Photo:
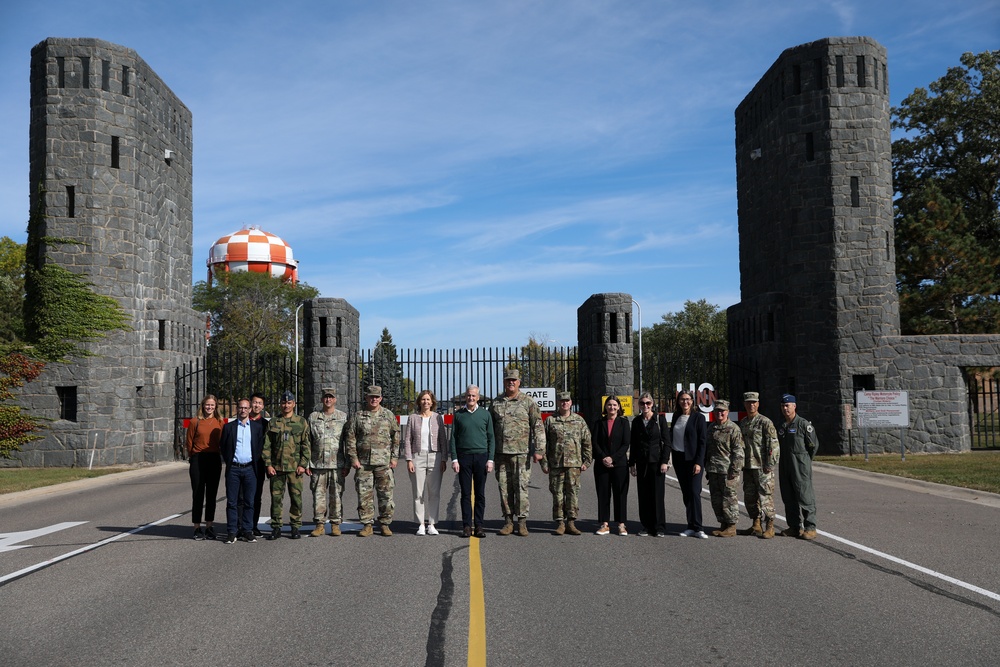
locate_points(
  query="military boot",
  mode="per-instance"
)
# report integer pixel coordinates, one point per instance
(319, 530)
(560, 528)
(768, 529)
(790, 532)
(572, 529)
(508, 527)
(335, 530)
(275, 533)
(727, 530)
(755, 529)
(385, 530)
(522, 527)
(366, 531)
(809, 534)
(295, 533)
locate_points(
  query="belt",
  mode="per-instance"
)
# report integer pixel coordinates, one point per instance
(242, 465)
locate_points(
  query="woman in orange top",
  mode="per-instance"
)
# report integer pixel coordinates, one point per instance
(206, 465)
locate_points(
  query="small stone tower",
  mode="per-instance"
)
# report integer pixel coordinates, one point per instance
(604, 340)
(332, 340)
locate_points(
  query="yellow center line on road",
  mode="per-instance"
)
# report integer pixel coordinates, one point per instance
(477, 604)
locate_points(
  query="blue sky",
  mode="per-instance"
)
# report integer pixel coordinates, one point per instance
(469, 173)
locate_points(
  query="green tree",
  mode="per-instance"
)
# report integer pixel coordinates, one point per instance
(949, 155)
(385, 371)
(251, 312)
(543, 366)
(11, 290)
(947, 278)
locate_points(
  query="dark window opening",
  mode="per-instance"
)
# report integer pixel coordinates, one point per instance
(885, 78)
(85, 62)
(163, 335)
(855, 192)
(875, 75)
(614, 327)
(862, 81)
(322, 332)
(62, 71)
(106, 76)
(810, 147)
(840, 71)
(628, 327)
(340, 332)
(115, 153)
(70, 201)
(125, 88)
(862, 383)
(67, 403)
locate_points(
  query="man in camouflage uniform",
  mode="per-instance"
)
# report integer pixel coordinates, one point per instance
(328, 468)
(760, 446)
(567, 454)
(516, 421)
(372, 442)
(723, 463)
(286, 456)
(798, 447)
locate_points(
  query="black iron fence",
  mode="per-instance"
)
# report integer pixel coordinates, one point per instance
(708, 377)
(984, 408)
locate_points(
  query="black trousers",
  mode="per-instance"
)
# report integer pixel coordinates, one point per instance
(649, 484)
(472, 477)
(612, 483)
(690, 488)
(205, 471)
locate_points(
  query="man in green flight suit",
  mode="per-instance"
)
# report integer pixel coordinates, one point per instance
(286, 457)
(798, 447)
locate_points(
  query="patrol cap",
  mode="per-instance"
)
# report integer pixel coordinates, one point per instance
(721, 404)
(788, 398)
(373, 390)
(564, 396)
(287, 396)
(511, 374)
(751, 397)
(329, 391)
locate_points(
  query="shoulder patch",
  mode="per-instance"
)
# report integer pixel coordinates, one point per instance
(809, 428)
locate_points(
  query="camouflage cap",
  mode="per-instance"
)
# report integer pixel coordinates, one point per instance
(511, 374)
(564, 396)
(751, 397)
(373, 390)
(287, 396)
(329, 391)
(721, 404)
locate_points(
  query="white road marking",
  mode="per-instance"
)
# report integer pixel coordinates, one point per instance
(893, 559)
(12, 541)
(346, 526)
(89, 547)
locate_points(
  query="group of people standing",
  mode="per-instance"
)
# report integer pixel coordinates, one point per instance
(505, 440)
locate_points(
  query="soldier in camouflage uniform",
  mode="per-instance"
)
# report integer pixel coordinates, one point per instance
(567, 454)
(724, 461)
(372, 442)
(286, 456)
(328, 467)
(798, 444)
(516, 421)
(760, 446)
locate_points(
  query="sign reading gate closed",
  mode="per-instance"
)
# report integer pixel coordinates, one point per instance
(545, 397)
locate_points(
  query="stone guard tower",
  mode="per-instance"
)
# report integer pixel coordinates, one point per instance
(604, 339)
(110, 144)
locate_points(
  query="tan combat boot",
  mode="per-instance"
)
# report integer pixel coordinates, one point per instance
(334, 530)
(385, 530)
(522, 527)
(508, 527)
(320, 529)
(807, 535)
(755, 529)
(727, 530)
(572, 529)
(366, 531)
(560, 528)
(768, 529)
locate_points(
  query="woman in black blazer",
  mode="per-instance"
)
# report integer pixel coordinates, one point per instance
(610, 443)
(688, 440)
(648, 461)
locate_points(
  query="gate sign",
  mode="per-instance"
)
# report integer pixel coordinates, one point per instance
(883, 409)
(545, 397)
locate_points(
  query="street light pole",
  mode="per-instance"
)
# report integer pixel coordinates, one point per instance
(297, 349)
(636, 304)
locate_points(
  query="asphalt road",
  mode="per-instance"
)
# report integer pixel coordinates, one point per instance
(902, 574)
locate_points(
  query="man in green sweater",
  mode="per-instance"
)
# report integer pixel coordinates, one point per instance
(472, 447)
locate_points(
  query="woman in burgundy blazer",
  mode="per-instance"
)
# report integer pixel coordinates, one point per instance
(610, 439)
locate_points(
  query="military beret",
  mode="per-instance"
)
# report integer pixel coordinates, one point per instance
(751, 397)
(374, 390)
(721, 404)
(329, 391)
(788, 398)
(288, 396)
(511, 374)
(564, 396)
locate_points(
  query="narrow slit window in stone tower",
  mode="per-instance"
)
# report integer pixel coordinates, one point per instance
(840, 71)
(115, 153)
(106, 76)
(85, 64)
(340, 332)
(614, 328)
(862, 81)
(125, 88)
(62, 71)
(855, 192)
(322, 332)
(70, 201)
(67, 403)
(162, 334)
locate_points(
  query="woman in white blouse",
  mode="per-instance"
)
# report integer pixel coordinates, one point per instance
(425, 444)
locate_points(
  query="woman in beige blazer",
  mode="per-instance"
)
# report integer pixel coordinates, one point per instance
(425, 444)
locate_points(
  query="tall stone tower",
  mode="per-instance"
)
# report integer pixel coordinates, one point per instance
(817, 266)
(332, 338)
(604, 340)
(111, 149)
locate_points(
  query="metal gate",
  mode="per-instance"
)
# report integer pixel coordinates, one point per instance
(710, 376)
(984, 407)
(230, 377)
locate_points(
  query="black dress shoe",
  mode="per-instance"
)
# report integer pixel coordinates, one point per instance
(467, 531)
(479, 532)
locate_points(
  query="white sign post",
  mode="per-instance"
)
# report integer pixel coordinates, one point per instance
(884, 409)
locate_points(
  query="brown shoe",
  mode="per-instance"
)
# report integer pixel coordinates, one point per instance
(560, 528)
(572, 529)
(366, 531)
(755, 529)
(790, 532)
(522, 527)
(507, 529)
(808, 535)
(727, 530)
(768, 530)
(334, 530)
(479, 532)
(385, 530)
(319, 530)
(466, 531)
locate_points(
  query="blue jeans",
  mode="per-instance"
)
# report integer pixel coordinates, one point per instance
(241, 484)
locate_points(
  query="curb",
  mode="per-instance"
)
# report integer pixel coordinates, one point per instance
(56, 490)
(931, 488)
